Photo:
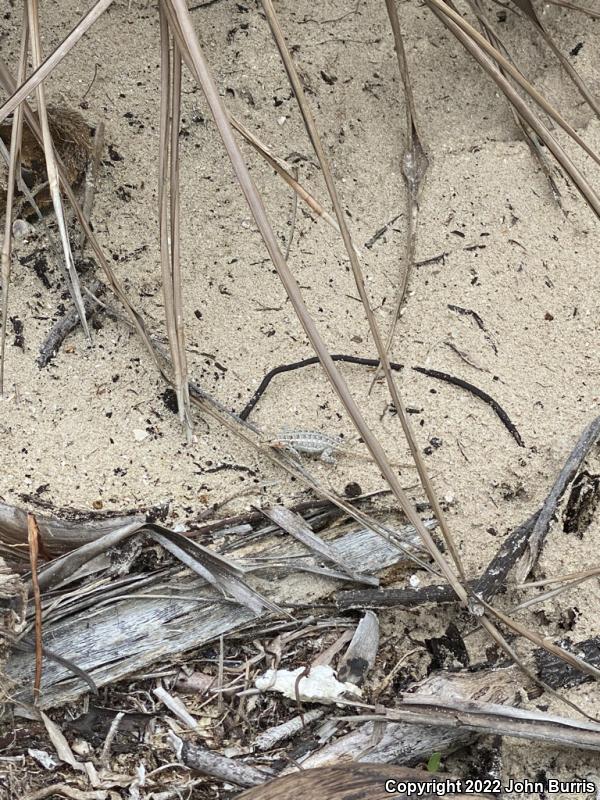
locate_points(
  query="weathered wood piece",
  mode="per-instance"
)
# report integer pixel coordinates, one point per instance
(408, 743)
(559, 675)
(360, 656)
(535, 542)
(141, 619)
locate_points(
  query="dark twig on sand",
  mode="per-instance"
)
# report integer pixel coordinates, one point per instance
(500, 412)
(586, 441)
(63, 327)
(374, 362)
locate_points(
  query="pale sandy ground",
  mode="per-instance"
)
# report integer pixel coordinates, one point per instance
(535, 283)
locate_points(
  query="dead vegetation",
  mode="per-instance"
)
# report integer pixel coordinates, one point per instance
(176, 638)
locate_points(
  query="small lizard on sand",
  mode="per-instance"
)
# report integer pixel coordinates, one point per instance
(316, 445)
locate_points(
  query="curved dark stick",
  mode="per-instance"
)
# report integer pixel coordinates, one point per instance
(374, 362)
(306, 362)
(500, 412)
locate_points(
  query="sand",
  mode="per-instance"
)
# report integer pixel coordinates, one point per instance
(93, 431)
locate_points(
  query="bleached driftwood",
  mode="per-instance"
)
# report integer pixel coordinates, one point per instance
(121, 625)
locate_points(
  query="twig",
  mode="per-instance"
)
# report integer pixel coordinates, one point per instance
(380, 232)
(110, 736)
(487, 586)
(272, 737)
(218, 766)
(500, 412)
(63, 326)
(586, 441)
(177, 707)
(373, 362)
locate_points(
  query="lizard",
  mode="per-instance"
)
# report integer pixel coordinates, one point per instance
(316, 445)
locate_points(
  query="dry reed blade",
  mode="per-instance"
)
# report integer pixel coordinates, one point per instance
(360, 284)
(282, 170)
(481, 50)
(13, 169)
(414, 167)
(566, 586)
(529, 11)
(52, 170)
(21, 92)
(183, 396)
(168, 201)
